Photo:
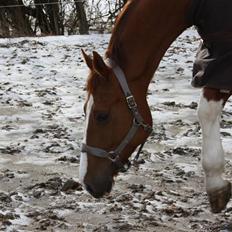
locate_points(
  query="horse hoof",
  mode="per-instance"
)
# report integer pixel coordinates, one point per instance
(219, 198)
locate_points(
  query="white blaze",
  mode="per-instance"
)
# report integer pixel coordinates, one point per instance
(84, 160)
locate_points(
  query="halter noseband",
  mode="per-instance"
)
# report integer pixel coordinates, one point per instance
(138, 121)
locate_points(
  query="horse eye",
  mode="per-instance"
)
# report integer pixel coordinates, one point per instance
(102, 117)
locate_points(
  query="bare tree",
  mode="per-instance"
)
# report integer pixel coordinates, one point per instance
(83, 23)
(54, 17)
(102, 13)
(4, 24)
(41, 19)
(15, 18)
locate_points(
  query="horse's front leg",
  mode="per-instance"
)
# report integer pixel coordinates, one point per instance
(209, 113)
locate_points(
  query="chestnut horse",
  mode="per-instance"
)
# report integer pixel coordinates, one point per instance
(118, 118)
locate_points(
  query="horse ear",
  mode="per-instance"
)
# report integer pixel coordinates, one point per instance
(99, 65)
(88, 59)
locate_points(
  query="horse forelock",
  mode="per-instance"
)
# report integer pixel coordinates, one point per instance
(113, 50)
(91, 83)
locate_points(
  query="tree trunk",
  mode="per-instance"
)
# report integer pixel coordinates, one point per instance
(16, 16)
(53, 12)
(41, 18)
(4, 24)
(83, 25)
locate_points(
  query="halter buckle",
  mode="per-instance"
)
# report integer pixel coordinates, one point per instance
(112, 155)
(131, 102)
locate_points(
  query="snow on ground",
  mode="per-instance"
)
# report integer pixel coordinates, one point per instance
(42, 83)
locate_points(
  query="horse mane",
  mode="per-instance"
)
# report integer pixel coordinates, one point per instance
(113, 50)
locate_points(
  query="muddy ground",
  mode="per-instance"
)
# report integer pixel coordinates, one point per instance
(42, 84)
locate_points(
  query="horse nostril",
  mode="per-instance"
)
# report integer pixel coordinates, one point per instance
(98, 190)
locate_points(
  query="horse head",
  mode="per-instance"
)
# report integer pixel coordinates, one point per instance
(107, 145)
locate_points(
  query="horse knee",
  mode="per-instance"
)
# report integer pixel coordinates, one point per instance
(209, 111)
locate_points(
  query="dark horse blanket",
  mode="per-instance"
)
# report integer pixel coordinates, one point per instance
(213, 65)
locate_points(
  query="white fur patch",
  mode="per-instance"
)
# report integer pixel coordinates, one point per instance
(84, 159)
(209, 113)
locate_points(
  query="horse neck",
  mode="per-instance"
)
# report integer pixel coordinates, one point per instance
(144, 31)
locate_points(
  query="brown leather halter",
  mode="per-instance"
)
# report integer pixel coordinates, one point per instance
(138, 122)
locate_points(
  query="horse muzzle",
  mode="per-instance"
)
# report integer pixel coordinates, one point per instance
(100, 188)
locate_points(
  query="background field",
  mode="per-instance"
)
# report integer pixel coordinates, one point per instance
(42, 83)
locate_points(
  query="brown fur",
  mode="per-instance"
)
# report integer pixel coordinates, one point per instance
(119, 27)
(142, 34)
(212, 94)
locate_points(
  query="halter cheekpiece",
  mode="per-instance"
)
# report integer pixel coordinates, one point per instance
(138, 122)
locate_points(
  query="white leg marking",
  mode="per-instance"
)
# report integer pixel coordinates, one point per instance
(84, 160)
(209, 113)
